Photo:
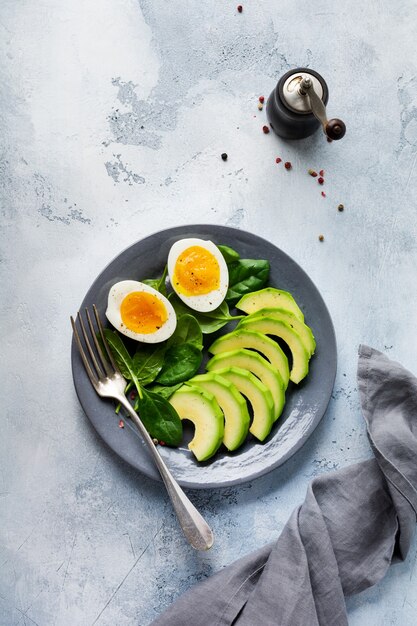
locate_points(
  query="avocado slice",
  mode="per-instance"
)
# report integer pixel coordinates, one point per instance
(231, 402)
(257, 394)
(243, 338)
(268, 298)
(201, 408)
(271, 326)
(302, 329)
(255, 363)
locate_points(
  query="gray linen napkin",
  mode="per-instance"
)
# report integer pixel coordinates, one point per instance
(352, 525)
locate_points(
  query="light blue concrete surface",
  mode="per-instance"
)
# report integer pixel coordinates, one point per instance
(114, 116)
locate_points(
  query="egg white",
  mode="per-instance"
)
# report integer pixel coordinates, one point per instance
(208, 301)
(116, 296)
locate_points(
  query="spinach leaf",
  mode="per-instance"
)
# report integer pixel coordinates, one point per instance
(187, 331)
(213, 320)
(145, 365)
(158, 283)
(163, 390)
(160, 418)
(122, 357)
(181, 363)
(208, 322)
(180, 307)
(148, 362)
(246, 275)
(229, 254)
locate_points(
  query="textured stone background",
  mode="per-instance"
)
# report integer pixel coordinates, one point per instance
(114, 115)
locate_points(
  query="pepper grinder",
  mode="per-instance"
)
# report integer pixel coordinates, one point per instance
(297, 106)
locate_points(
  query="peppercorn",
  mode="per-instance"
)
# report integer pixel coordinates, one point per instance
(240, 8)
(261, 99)
(321, 237)
(321, 172)
(320, 180)
(278, 160)
(265, 129)
(287, 165)
(224, 156)
(340, 207)
(312, 173)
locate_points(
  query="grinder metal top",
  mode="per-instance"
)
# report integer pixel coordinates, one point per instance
(297, 106)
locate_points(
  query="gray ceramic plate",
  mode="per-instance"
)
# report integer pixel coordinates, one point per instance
(306, 403)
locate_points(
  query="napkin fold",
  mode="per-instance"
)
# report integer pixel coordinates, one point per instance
(352, 525)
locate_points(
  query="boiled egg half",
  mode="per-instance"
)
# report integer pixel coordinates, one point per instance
(198, 273)
(140, 312)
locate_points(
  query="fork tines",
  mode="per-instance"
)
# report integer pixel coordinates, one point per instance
(100, 365)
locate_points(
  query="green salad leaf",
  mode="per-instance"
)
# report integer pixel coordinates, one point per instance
(121, 356)
(229, 254)
(145, 364)
(181, 363)
(208, 322)
(158, 283)
(164, 390)
(187, 331)
(159, 418)
(246, 275)
(148, 361)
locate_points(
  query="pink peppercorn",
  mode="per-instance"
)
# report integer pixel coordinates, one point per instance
(287, 165)
(240, 8)
(265, 129)
(278, 160)
(121, 424)
(261, 99)
(320, 180)
(321, 172)
(323, 194)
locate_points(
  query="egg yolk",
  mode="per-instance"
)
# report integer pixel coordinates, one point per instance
(142, 312)
(196, 272)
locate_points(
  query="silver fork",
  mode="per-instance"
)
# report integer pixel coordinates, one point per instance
(108, 382)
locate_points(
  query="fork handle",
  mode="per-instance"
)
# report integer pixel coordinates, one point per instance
(193, 524)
